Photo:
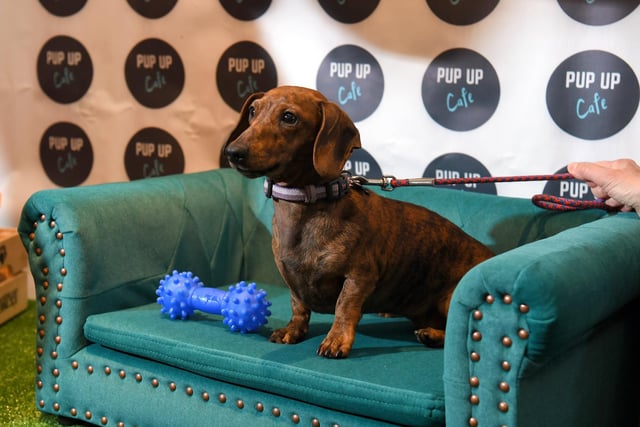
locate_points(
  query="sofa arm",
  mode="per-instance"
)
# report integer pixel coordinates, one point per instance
(513, 314)
(105, 247)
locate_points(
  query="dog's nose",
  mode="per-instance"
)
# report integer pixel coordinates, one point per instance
(235, 154)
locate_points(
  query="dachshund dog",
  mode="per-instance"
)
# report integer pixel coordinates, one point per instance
(340, 248)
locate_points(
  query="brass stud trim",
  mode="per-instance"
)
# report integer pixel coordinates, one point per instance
(189, 391)
(59, 287)
(45, 270)
(275, 412)
(73, 411)
(503, 407)
(54, 354)
(56, 372)
(90, 369)
(524, 308)
(315, 422)
(523, 334)
(122, 374)
(222, 398)
(59, 235)
(39, 384)
(474, 381)
(507, 342)
(45, 285)
(476, 336)
(205, 396)
(104, 421)
(504, 387)
(489, 299)
(506, 366)
(62, 252)
(120, 424)
(63, 271)
(155, 383)
(259, 407)
(474, 399)
(240, 404)
(477, 315)
(43, 217)
(507, 299)
(139, 377)
(172, 386)
(38, 251)
(295, 418)
(59, 320)
(52, 224)
(41, 403)
(473, 422)
(107, 370)
(74, 364)
(475, 357)
(56, 406)
(88, 415)
(56, 388)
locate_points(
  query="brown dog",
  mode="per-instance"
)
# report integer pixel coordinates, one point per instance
(340, 250)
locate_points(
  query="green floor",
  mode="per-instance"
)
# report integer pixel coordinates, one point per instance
(17, 372)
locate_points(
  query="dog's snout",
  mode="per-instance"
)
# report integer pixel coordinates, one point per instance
(236, 154)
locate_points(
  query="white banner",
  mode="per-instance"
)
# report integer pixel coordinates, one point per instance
(99, 91)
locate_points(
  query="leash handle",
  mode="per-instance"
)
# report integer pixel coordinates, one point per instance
(390, 183)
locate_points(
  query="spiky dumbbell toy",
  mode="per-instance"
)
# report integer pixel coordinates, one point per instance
(244, 307)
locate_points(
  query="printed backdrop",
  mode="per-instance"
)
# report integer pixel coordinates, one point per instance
(98, 91)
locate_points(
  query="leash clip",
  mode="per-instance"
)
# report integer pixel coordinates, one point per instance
(385, 183)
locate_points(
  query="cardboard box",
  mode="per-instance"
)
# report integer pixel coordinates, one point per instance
(13, 278)
(13, 296)
(12, 253)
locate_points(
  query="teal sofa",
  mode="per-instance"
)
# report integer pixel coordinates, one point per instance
(543, 334)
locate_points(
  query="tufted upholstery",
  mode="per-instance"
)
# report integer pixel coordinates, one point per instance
(542, 334)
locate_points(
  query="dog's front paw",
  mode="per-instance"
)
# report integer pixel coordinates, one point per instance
(430, 337)
(288, 335)
(335, 347)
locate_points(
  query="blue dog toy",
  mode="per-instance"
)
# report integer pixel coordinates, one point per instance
(244, 308)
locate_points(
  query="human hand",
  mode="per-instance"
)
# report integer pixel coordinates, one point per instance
(616, 181)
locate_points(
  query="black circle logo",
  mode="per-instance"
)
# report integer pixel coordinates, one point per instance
(64, 69)
(63, 8)
(349, 12)
(243, 69)
(568, 188)
(460, 89)
(66, 154)
(154, 73)
(592, 94)
(152, 9)
(593, 12)
(153, 152)
(351, 77)
(246, 10)
(458, 165)
(361, 163)
(462, 12)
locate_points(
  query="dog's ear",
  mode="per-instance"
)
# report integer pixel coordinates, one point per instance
(243, 124)
(335, 141)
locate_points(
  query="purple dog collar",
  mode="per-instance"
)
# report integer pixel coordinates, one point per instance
(333, 190)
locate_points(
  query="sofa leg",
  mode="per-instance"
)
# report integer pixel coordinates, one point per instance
(71, 422)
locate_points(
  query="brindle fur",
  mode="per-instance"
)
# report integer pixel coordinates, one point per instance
(360, 254)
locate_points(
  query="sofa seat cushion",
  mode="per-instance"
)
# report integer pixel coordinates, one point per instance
(388, 376)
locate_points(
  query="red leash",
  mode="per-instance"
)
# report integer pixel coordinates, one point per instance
(389, 183)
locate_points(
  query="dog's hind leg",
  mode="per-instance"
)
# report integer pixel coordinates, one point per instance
(430, 337)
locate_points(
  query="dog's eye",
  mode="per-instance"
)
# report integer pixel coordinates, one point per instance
(252, 113)
(289, 118)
